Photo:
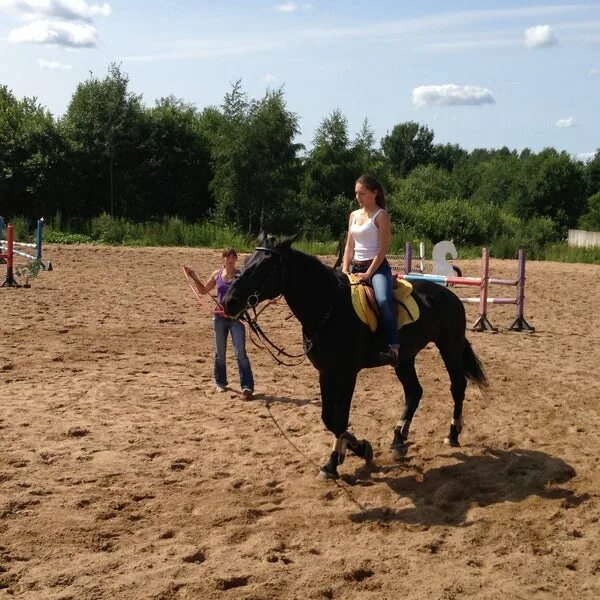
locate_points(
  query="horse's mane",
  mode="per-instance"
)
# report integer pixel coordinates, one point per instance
(320, 268)
(309, 264)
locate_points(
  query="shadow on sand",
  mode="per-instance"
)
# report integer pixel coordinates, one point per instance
(444, 495)
(269, 399)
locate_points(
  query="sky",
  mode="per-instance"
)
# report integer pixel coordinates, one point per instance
(480, 74)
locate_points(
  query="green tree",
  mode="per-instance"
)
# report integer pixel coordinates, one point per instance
(498, 180)
(426, 183)
(31, 151)
(551, 185)
(447, 156)
(407, 146)
(590, 220)
(175, 173)
(592, 175)
(104, 127)
(330, 171)
(255, 162)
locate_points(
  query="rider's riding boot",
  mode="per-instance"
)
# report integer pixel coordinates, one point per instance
(389, 357)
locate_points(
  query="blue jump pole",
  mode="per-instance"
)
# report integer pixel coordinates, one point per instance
(1, 227)
(40, 226)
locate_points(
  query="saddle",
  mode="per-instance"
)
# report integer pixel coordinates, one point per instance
(365, 305)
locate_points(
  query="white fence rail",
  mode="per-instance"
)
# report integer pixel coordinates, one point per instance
(584, 239)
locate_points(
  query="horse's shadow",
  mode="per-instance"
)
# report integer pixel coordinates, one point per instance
(444, 495)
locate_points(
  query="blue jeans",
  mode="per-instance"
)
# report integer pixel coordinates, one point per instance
(222, 327)
(383, 286)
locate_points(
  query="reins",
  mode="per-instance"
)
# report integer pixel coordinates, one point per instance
(274, 350)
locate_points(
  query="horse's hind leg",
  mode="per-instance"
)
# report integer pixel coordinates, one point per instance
(453, 360)
(413, 393)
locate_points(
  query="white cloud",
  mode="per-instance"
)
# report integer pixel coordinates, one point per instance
(69, 10)
(585, 156)
(290, 7)
(566, 123)
(593, 72)
(540, 36)
(451, 95)
(271, 79)
(74, 35)
(287, 7)
(53, 65)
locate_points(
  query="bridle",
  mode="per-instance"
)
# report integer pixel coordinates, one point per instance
(252, 321)
(254, 299)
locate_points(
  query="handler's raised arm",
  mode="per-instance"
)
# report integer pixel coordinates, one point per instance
(203, 288)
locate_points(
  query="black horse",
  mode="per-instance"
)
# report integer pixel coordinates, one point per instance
(339, 344)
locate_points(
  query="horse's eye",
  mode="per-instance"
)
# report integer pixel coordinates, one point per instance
(268, 254)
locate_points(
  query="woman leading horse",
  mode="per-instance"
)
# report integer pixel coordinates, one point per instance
(339, 344)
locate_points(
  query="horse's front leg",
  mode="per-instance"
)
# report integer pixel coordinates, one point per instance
(337, 388)
(346, 441)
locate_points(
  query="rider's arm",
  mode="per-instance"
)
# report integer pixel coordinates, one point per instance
(349, 249)
(383, 223)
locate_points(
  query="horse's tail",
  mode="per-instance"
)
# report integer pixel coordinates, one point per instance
(473, 367)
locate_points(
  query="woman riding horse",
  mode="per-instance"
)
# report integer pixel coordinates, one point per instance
(339, 344)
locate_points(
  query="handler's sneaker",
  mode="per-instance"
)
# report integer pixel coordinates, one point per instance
(248, 394)
(221, 388)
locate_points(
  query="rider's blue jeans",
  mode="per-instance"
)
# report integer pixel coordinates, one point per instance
(383, 286)
(222, 327)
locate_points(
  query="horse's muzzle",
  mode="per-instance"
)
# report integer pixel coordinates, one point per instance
(232, 306)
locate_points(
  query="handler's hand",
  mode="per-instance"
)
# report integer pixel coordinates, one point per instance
(190, 273)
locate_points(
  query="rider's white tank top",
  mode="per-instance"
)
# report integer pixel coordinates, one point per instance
(366, 238)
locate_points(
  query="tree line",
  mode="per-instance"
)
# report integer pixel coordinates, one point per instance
(238, 165)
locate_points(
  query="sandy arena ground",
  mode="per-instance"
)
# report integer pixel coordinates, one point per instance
(124, 475)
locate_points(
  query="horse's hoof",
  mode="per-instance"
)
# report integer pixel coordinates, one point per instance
(367, 452)
(325, 474)
(399, 451)
(452, 443)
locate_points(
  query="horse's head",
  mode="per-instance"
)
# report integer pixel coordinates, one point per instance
(262, 275)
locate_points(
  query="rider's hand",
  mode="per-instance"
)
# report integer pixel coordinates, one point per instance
(362, 277)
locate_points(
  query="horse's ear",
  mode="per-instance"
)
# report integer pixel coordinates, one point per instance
(286, 243)
(262, 238)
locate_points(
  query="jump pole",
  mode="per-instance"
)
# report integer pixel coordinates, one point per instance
(482, 323)
(10, 280)
(38, 245)
(520, 324)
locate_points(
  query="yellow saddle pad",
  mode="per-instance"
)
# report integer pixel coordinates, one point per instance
(408, 309)
(360, 302)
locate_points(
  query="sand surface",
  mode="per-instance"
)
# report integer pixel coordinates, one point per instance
(124, 475)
